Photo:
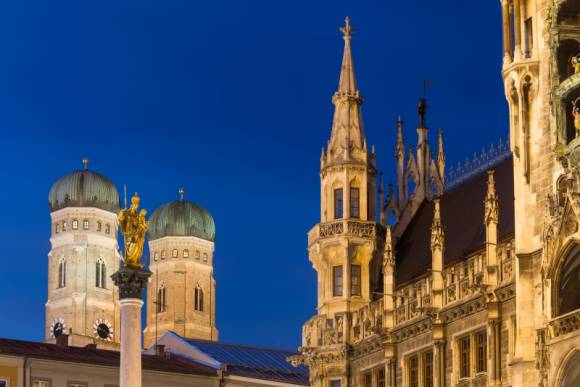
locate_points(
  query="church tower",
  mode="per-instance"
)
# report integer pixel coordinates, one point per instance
(82, 299)
(541, 73)
(181, 293)
(344, 246)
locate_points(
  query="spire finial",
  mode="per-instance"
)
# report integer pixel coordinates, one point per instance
(422, 110)
(347, 30)
(181, 193)
(86, 163)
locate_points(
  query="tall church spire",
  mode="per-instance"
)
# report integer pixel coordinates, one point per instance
(347, 128)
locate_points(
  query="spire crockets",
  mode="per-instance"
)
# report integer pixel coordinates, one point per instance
(347, 127)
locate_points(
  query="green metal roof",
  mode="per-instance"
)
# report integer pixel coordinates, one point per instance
(181, 218)
(84, 188)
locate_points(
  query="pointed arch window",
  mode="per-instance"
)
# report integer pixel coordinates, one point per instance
(61, 273)
(101, 274)
(198, 299)
(161, 306)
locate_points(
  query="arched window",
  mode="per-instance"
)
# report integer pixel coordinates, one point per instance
(75, 224)
(155, 256)
(99, 226)
(197, 254)
(338, 203)
(568, 290)
(186, 253)
(161, 306)
(57, 228)
(107, 229)
(162, 254)
(174, 253)
(205, 257)
(198, 299)
(64, 225)
(85, 224)
(61, 273)
(101, 274)
(354, 202)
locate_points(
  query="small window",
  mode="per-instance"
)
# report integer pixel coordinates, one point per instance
(57, 228)
(61, 274)
(155, 256)
(174, 253)
(40, 383)
(381, 377)
(368, 380)
(414, 371)
(99, 226)
(335, 383)
(4, 382)
(337, 281)
(161, 307)
(428, 369)
(529, 38)
(197, 254)
(107, 229)
(481, 354)
(101, 274)
(355, 280)
(64, 225)
(75, 224)
(338, 204)
(464, 364)
(205, 257)
(354, 203)
(186, 253)
(198, 299)
(163, 256)
(85, 224)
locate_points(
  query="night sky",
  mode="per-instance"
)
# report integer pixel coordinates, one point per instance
(230, 99)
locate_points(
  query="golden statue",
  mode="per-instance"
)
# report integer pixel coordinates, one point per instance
(576, 114)
(576, 63)
(133, 226)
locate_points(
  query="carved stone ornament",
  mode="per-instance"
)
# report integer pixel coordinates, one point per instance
(131, 282)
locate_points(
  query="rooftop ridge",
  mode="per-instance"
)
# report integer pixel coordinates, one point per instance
(246, 346)
(478, 163)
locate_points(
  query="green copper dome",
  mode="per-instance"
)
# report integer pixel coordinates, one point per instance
(84, 188)
(181, 218)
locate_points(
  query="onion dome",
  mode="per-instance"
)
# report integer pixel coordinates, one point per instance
(181, 218)
(84, 188)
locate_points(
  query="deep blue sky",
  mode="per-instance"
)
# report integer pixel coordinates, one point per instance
(230, 99)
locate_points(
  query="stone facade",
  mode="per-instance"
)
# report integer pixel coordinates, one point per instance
(497, 302)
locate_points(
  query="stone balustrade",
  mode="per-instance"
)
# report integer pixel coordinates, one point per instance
(347, 227)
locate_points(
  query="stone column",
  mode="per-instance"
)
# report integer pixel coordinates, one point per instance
(517, 29)
(131, 283)
(507, 44)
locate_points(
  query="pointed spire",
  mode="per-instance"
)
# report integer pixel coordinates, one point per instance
(400, 146)
(441, 156)
(347, 82)
(491, 201)
(422, 111)
(437, 233)
(388, 256)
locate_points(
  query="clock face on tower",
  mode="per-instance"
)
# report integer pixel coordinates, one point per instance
(103, 330)
(57, 327)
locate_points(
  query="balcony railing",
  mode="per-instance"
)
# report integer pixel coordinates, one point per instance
(566, 323)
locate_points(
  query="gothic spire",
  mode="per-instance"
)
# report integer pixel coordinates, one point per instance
(347, 127)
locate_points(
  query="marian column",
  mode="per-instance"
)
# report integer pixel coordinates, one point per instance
(131, 279)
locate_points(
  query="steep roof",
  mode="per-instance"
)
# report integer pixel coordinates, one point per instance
(102, 357)
(254, 362)
(462, 212)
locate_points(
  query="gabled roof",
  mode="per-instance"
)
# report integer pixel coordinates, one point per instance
(462, 213)
(102, 357)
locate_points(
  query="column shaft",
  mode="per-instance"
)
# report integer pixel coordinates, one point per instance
(130, 372)
(507, 44)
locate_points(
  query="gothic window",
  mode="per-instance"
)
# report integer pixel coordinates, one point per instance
(61, 273)
(161, 306)
(75, 224)
(338, 203)
(155, 256)
(107, 229)
(355, 280)
(464, 361)
(414, 371)
(174, 253)
(198, 299)
(337, 281)
(428, 369)
(481, 351)
(163, 254)
(205, 257)
(101, 274)
(99, 226)
(57, 228)
(85, 224)
(354, 203)
(568, 298)
(186, 253)
(64, 225)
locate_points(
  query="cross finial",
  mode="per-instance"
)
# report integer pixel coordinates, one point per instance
(347, 30)
(181, 193)
(85, 163)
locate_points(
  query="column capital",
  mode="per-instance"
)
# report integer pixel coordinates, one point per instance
(131, 282)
